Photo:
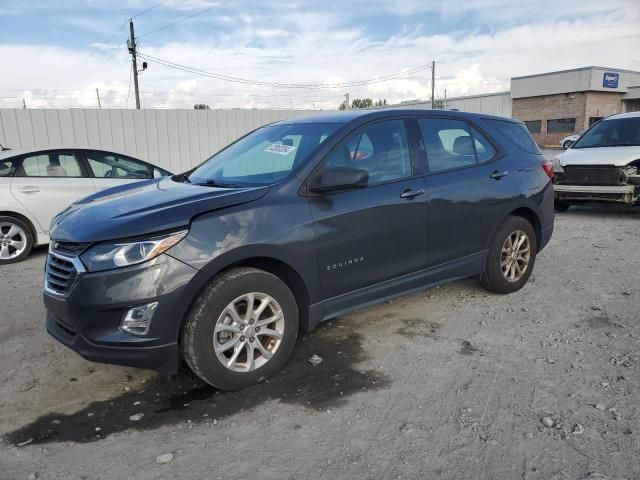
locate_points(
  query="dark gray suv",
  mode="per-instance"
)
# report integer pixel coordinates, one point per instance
(297, 222)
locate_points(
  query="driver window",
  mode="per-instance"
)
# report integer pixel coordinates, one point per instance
(381, 149)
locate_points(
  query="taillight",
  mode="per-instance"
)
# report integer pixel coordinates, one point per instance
(547, 166)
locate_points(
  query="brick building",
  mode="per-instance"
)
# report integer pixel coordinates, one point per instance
(557, 104)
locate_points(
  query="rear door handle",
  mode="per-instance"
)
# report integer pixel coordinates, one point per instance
(409, 194)
(498, 175)
(29, 189)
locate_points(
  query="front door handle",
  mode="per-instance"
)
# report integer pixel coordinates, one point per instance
(497, 175)
(29, 189)
(409, 194)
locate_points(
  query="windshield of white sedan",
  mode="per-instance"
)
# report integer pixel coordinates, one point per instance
(263, 157)
(620, 132)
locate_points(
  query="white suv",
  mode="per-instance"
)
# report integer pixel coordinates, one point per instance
(603, 165)
(37, 184)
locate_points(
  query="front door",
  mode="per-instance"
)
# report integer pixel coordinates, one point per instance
(46, 183)
(470, 186)
(370, 235)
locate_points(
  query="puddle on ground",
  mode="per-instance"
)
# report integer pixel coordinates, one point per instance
(418, 327)
(468, 348)
(170, 402)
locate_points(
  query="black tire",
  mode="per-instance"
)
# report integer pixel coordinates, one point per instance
(560, 206)
(198, 330)
(28, 234)
(493, 279)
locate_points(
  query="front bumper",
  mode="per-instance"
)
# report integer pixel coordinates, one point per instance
(608, 193)
(88, 319)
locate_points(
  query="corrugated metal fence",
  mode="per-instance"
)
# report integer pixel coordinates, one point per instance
(173, 139)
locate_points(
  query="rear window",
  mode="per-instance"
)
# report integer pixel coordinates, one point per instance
(517, 133)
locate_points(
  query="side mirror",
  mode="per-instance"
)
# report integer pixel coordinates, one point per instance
(340, 178)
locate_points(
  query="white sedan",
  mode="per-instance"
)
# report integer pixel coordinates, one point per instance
(566, 142)
(36, 184)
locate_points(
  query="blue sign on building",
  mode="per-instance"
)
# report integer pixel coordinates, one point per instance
(610, 80)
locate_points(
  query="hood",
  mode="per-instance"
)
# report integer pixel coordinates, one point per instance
(617, 156)
(142, 208)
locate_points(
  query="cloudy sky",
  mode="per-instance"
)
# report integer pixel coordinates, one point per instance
(56, 53)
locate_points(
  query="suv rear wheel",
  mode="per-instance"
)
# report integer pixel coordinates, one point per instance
(241, 329)
(512, 254)
(16, 240)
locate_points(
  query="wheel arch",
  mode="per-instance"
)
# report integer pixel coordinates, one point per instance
(269, 263)
(26, 220)
(530, 215)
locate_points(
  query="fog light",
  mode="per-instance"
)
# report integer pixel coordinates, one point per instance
(138, 320)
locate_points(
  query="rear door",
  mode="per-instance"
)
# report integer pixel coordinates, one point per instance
(45, 183)
(111, 169)
(471, 186)
(366, 236)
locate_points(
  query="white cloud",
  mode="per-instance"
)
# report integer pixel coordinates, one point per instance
(487, 43)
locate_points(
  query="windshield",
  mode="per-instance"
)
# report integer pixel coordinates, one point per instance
(263, 157)
(620, 132)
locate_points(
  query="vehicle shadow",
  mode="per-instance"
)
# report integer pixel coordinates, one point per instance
(186, 399)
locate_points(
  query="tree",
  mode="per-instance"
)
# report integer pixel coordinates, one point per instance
(201, 106)
(364, 103)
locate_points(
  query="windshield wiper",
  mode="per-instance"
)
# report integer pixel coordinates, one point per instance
(215, 183)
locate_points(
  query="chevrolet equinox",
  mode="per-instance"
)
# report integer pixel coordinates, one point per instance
(295, 223)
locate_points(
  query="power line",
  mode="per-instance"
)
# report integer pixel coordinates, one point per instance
(184, 19)
(227, 78)
(148, 9)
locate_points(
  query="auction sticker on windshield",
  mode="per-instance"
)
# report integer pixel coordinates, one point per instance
(280, 149)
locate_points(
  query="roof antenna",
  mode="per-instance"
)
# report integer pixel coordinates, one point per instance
(3, 148)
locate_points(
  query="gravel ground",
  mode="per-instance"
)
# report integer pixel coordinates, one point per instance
(450, 383)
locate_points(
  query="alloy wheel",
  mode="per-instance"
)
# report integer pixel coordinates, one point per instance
(515, 256)
(13, 240)
(248, 332)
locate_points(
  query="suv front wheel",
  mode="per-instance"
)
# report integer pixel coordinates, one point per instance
(241, 329)
(512, 254)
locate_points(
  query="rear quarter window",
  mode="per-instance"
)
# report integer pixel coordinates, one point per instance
(7, 168)
(516, 133)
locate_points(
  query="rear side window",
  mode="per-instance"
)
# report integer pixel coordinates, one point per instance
(448, 143)
(517, 133)
(53, 164)
(484, 148)
(109, 165)
(7, 168)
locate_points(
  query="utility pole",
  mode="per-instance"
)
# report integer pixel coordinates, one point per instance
(445, 98)
(347, 105)
(433, 84)
(131, 45)
(24, 104)
(98, 95)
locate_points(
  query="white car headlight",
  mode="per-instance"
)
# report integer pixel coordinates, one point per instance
(115, 254)
(557, 168)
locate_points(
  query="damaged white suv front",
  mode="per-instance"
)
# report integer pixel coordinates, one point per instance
(602, 166)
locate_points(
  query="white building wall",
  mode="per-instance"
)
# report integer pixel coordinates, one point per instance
(173, 139)
(489, 103)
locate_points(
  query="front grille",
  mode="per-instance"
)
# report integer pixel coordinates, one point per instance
(60, 274)
(593, 175)
(69, 248)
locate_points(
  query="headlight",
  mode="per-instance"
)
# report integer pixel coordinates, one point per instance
(109, 255)
(557, 167)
